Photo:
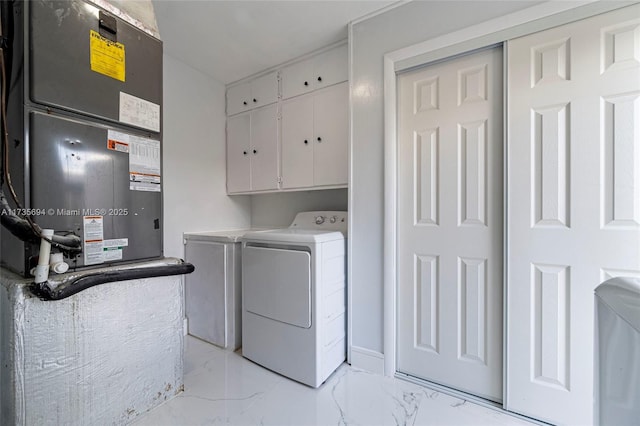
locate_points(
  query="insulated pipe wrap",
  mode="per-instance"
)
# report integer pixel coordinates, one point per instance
(66, 289)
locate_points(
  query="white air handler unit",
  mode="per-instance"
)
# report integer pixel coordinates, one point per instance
(294, 297)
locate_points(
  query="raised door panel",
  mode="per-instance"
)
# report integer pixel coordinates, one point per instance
(264, 90)
(238, 98)
(296, 79)
(297, 142)
(238, 158)
(264, 148)
(573, 203)
(331, 135)
(330, 67)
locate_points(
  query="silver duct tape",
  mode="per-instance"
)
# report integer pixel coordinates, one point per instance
(101, 356)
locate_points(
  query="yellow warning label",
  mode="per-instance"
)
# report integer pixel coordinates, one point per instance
(107, 57)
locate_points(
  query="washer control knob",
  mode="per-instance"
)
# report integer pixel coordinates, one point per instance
(333, 219)
(319, 220)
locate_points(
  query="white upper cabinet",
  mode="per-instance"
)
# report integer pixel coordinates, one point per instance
(278, 140)
(297, 142)
(317, 72)
(253, 94)
(331, 132)
(264, 148)
(315, 134)
(238, 158)
(252, 151)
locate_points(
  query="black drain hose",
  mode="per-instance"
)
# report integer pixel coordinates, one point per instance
(66, 289)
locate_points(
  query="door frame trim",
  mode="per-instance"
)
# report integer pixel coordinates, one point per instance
(493, 32)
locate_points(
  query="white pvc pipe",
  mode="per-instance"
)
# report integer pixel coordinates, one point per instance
(57, 263)
(42, 270)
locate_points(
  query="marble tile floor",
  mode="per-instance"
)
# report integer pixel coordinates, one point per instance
(223, 388)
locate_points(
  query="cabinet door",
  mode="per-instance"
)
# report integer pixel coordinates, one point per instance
(331, 133)
(264, 148)
(330, 67)
(238, 98)
(297, 142)
(296, 79)
(206, 291)
(238, 159)
(264, 90)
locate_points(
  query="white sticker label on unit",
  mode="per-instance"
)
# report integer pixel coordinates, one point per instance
(112, 253)
(138, 112)
(116, 242)
(117, 141)
(93, 240)
(144, 165)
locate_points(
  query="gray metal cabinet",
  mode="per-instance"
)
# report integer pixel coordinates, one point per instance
(213, 297)
(62, 71)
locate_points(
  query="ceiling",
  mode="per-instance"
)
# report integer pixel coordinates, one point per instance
(230, 40)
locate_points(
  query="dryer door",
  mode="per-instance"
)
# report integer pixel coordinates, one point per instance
(276, 283)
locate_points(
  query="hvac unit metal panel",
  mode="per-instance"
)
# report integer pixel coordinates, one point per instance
(62, 55)
(82, 177)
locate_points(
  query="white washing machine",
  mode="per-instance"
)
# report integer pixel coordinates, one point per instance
(294, 296)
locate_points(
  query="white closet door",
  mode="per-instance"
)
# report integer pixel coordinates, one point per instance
(574, 203)
(450, 223)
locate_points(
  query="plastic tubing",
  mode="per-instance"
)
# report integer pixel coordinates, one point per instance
(42, 270)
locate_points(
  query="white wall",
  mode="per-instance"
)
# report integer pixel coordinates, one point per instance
(371, 39)
(194, 163)
(278, 210)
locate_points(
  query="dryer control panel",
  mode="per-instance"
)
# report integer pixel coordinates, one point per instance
(323, 220)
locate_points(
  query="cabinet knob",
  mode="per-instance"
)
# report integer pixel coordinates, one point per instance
(319, 139)
(244, 103)
(306, 141)
(319, 78)
(255, 151)
(306, 83)
(255, 100)
(244, 152)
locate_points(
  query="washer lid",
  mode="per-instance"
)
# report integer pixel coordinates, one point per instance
(229, 236)
(223, 236)
(290, 235)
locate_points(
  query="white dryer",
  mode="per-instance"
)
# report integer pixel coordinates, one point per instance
(294, 296)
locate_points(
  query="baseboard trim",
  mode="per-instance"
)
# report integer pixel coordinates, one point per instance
(368, 360)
